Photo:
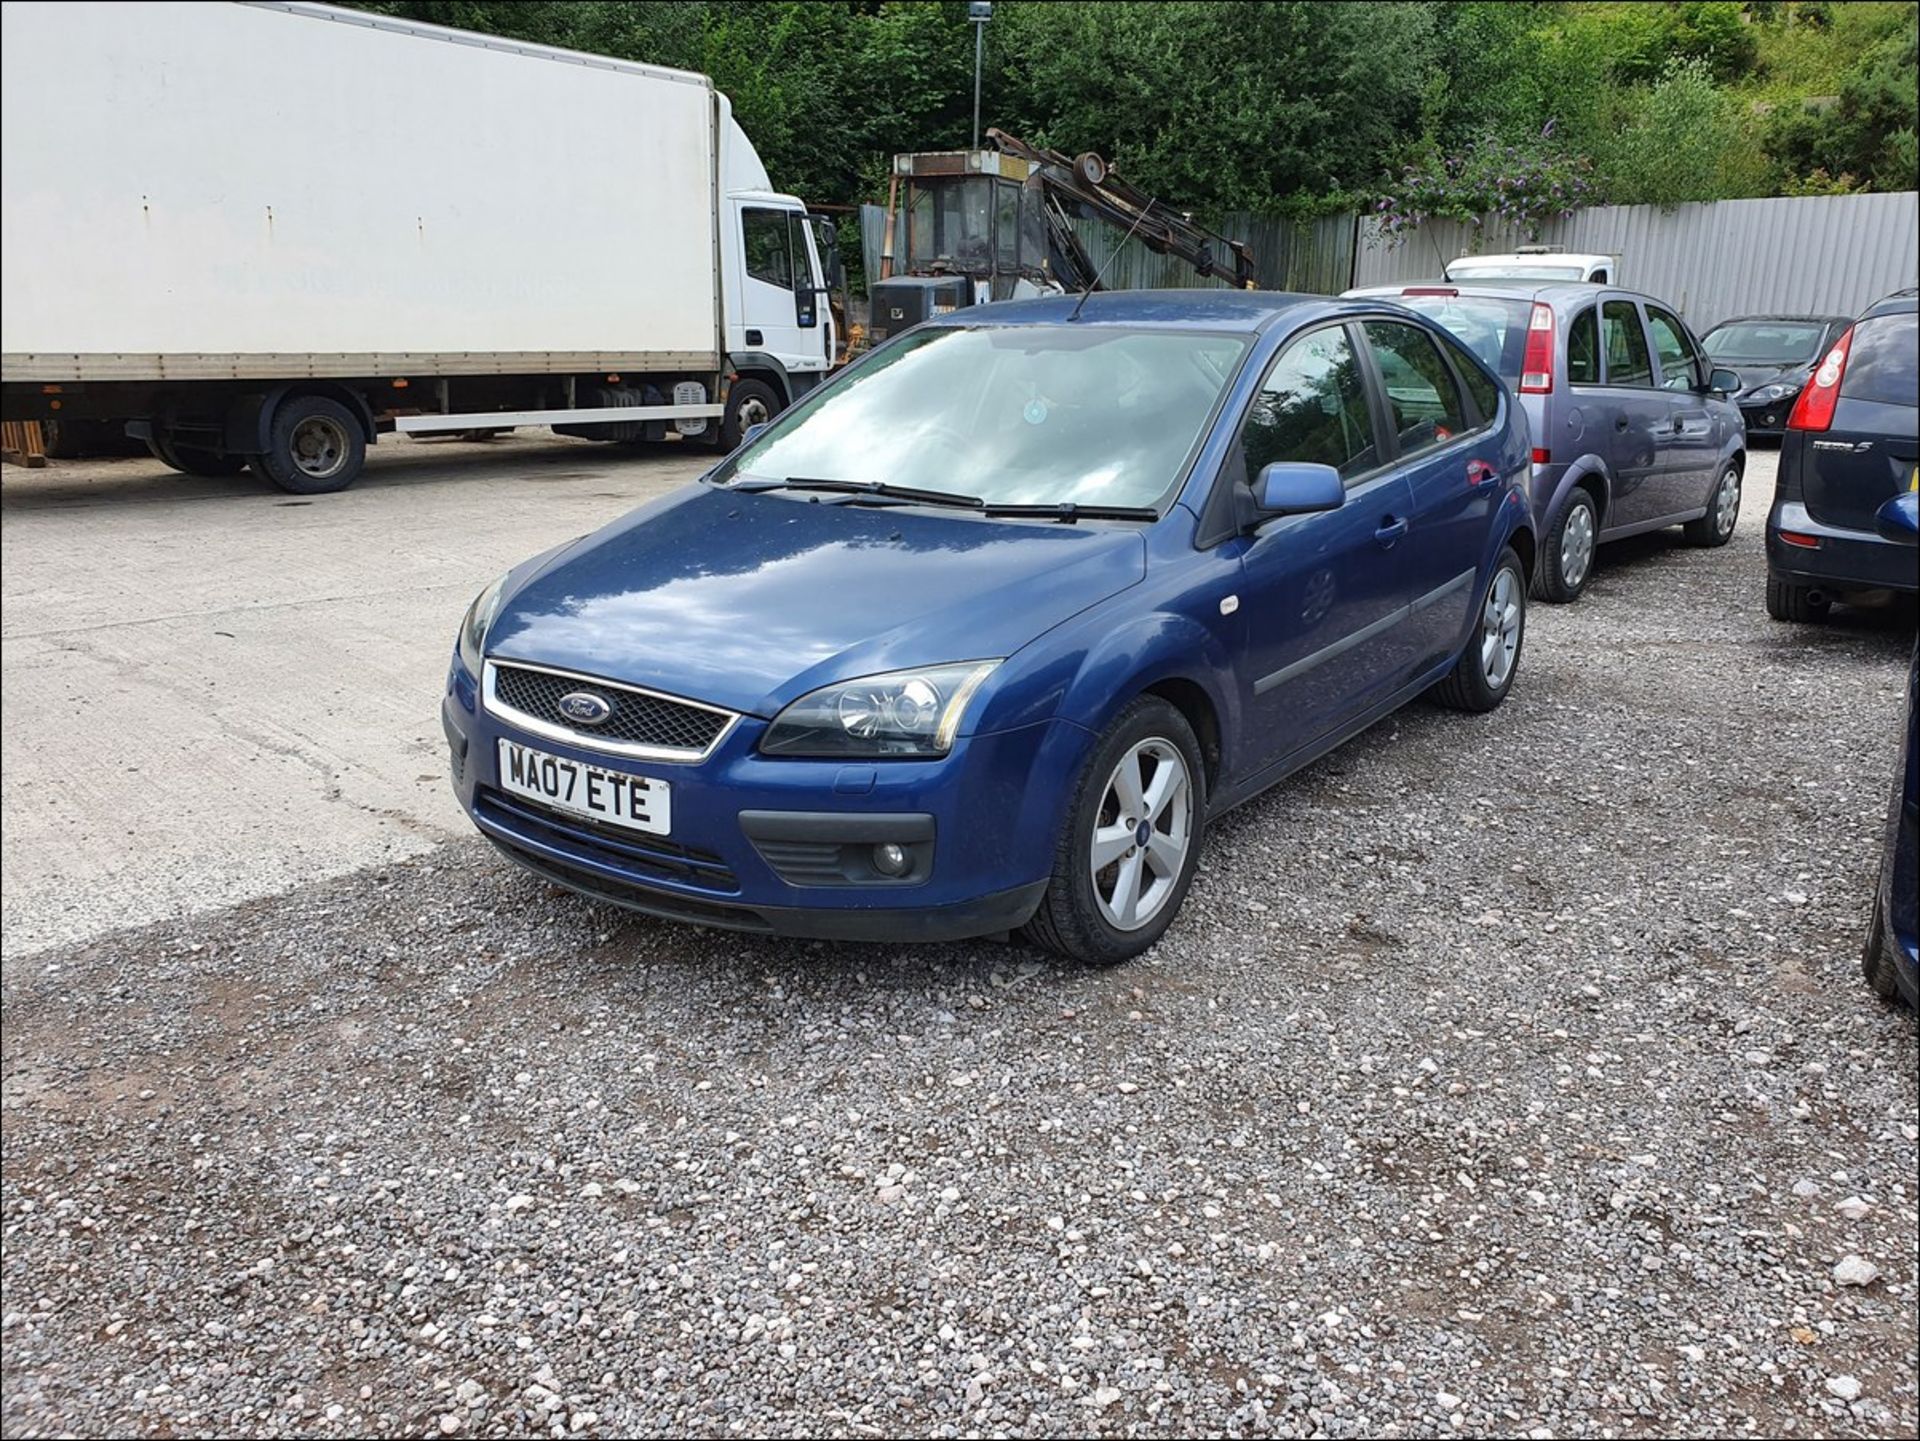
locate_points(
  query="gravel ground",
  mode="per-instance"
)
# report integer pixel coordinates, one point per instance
(1503, 1075)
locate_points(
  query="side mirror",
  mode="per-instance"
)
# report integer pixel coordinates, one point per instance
(1899, 519)
(1298, 487)
(1723, 381)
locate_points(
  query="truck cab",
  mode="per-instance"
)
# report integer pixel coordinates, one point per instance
(777, 267)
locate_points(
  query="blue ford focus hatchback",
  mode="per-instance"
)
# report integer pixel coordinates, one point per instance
(979, 637)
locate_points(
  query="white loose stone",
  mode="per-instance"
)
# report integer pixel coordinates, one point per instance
(1856, 1271)
(1847, 1388)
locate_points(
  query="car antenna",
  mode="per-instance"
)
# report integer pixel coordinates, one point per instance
(1101, 274)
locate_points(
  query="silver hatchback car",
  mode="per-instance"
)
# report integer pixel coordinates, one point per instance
(1633, 428)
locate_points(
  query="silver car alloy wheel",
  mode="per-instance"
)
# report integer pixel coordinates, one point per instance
(1726, 503)
(1141, 833)
(1576, 545)
(1500, 628)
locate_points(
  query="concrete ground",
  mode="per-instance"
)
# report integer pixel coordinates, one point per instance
(215, 691)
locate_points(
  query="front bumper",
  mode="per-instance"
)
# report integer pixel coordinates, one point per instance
(1844, 559)
(779, 845)
(1767, 417)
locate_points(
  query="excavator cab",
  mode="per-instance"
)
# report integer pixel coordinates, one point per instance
(970, 213)
(965, 227)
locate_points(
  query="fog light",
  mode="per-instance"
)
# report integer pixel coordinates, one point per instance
(890, 860)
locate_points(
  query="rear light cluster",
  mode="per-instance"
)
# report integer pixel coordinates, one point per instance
(1536, 367)
(1814, 409)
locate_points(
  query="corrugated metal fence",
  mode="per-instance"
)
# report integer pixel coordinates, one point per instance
(1814, 254)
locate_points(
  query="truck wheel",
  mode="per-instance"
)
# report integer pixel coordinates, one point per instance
(749, 403)
(191, 460)
(315, 447)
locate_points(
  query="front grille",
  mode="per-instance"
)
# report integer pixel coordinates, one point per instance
(638, 718)
(644, 856)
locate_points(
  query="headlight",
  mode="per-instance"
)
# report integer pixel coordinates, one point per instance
(903, 713)
(1773, 392)
(473, 630)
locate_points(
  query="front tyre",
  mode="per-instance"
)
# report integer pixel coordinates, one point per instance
(1131, 841)
(1485, 671)
(749, 403)
(1723, 512)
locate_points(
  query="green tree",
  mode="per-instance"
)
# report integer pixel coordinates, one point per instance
(1867, 134)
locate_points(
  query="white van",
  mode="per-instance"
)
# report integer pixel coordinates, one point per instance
(1537, 262)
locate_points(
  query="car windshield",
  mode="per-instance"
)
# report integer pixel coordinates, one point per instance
(1516, 272)
(1011, 415)
(1765, 342)
(1493, 329)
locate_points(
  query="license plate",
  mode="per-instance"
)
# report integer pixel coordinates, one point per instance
(639, 803)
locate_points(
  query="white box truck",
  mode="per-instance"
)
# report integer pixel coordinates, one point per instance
(268, 234)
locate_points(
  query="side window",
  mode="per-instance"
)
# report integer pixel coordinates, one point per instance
(1626, 346)
(1312, 406)
(769, 251)
(1422, 397)
(1599, 277)
(1679, 365)
(1583, 349)
(1486, 395)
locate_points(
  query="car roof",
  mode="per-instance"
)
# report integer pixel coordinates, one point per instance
(1901, 302)
(1248, 311)
(1798, 319)
(1552, 292)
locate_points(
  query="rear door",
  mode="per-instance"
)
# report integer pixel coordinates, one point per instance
(1689, 452)
(1869, 452)
(1636, 418)
(1324, 595)
(1449, 455)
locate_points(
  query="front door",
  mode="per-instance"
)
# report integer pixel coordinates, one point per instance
(1637, 420)
(1690, 451)
(778, 302)
(1323, 596)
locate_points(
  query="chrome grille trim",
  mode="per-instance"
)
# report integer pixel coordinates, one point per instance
(586, 740)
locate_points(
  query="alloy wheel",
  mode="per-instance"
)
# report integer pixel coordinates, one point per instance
(1500, 628)
(1141, 834)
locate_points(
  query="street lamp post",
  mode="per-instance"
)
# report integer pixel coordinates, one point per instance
(979, 12)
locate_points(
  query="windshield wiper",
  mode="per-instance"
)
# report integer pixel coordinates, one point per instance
(1070, 511)
(875, 489)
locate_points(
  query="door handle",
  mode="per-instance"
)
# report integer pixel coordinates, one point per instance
(1620, 422)
(1481, 472)
(1390, 530)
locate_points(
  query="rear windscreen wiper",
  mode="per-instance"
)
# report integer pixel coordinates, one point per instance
(903, 494)
(1070, 511)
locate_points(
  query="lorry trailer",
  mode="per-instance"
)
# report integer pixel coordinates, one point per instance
(269, 234)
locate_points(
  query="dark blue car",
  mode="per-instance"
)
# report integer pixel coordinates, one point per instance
(1893, 936)
(981, 635)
